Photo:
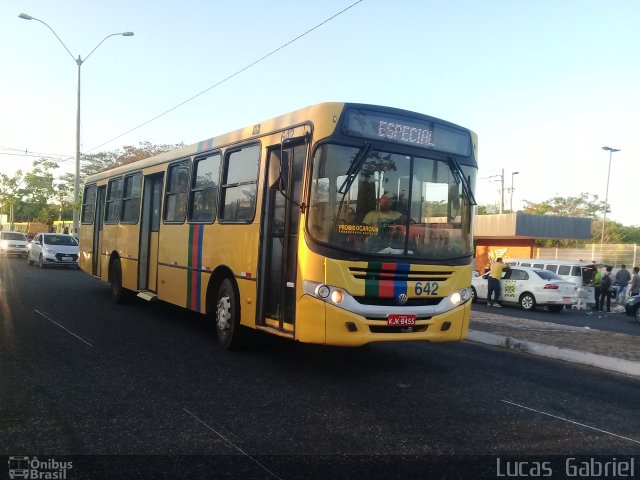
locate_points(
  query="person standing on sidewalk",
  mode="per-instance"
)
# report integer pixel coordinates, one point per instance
(495, 275)
(623, 277)
(605, 287)
(597, 277)
(635, 283)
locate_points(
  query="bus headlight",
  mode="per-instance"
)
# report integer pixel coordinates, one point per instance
(337, 296)
(323, 291)
(456, 298)
(460, 296)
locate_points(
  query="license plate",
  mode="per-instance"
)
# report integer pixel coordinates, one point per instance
(67, 258)
(397, 320)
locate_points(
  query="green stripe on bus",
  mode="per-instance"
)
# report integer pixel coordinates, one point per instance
(371, 286)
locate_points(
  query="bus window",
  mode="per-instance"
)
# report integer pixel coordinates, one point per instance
(88, 204)
(552, 268)
(114, 201)
(238, 199)
(131, 198)
(175, 201)
(204, 189)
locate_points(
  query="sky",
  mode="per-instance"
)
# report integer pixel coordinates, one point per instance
(544, 84)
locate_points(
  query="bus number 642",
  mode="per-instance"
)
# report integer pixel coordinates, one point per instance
(426, 288)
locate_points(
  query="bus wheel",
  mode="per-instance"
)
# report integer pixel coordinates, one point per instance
(228, 327)
(115, 282)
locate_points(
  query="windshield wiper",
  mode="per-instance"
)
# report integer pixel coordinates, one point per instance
(354, 168)
(460, 178)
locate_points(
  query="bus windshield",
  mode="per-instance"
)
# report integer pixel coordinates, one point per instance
(382, 203)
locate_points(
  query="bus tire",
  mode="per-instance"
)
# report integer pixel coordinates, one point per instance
(228, 328)
(116, 293)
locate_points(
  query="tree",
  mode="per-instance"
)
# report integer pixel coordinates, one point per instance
(486, 209)
(580, 206)
(99, 162)
(10, 193)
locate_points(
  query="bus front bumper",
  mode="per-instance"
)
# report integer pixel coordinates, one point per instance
(345, 328)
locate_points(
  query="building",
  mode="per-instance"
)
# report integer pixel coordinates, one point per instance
(512, 235)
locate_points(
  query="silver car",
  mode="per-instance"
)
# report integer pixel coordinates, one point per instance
(13, 243)
(53, 249)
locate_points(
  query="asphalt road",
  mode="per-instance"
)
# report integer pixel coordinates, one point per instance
(80, 376)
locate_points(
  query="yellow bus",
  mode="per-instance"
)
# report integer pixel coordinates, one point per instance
(337, 224)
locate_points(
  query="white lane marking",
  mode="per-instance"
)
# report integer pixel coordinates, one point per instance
(570, 421)
(62, 327)
(233, 445)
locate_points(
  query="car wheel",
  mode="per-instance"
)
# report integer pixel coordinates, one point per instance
(115, 282)
(555, 308)
(228, 328)
(474, 295)
(41, 261)
(528, 301)
(638, 314)
(29, 261)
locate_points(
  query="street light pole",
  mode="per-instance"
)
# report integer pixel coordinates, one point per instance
(79, 62)
(606, 195)
(511, 200)
(502, 191)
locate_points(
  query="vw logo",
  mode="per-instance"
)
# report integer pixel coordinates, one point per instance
(402, 298)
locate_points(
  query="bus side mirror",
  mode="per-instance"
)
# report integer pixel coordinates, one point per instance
(274, 172)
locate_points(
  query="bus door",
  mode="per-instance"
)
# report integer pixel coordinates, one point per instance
(280, 239)
(96, 256)
(149, 233)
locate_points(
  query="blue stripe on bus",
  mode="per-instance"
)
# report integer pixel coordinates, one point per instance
(400, 287)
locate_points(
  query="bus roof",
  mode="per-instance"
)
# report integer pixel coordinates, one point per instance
(257, 130)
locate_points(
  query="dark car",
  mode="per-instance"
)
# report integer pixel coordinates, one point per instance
(632, 307)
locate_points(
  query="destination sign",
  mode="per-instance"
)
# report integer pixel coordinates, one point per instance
(407, 130)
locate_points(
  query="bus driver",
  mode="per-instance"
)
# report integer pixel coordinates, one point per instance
(385, 215)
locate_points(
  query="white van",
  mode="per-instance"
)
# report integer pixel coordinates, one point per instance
(580, 273)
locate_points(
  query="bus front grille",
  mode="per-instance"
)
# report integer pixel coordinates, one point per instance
(378, 274)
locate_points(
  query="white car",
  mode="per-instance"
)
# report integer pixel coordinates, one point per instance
(55, 249)
(13, 243)
(529, 287)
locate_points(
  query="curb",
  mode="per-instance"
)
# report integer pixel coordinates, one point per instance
(604, 362)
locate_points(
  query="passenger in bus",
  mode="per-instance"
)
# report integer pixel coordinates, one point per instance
(348, 216)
